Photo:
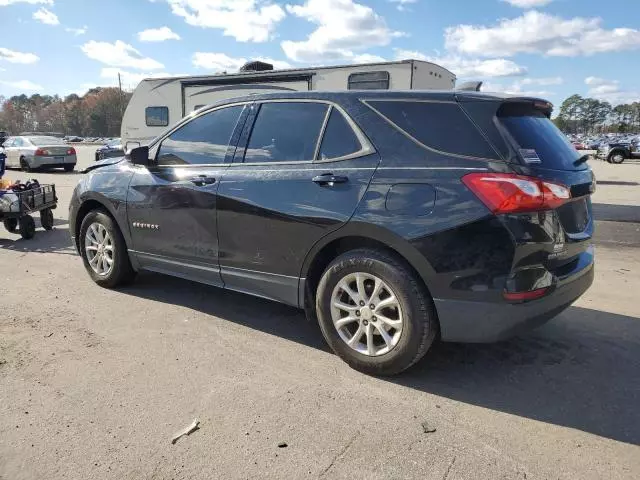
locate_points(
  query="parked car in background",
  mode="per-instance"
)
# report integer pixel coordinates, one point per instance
(617, 151)
(359, 207)
(73, 139)
(113, 148)
(32, 152)
(579, 145)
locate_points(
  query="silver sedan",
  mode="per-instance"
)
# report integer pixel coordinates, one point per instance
(31, 152)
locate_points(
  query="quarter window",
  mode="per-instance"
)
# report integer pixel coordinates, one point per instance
(204, 140)
(286, 132)
(339, 139)
(157, 116)
(369, 81)
(440, 126)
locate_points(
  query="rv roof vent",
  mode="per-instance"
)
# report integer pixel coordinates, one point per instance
(256, 66)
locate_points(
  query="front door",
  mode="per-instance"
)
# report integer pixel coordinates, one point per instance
(286, 190)
(171, 205)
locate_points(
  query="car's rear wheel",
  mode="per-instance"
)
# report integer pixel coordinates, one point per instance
(374, 312)
(69, 167)
(616, 157)
(24, 165)
(104, 251)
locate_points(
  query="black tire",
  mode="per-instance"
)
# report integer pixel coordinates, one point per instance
(420, 325)
(122, 272)
(24, 165)
(616, 157)
(46, 218)
(97, 157)
(27, 227)
(69, 167)
(11, 225)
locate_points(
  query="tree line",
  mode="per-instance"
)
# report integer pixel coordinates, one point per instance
(98, 113)
(589, 115)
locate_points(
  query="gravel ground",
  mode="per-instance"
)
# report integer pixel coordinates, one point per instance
(94, 383)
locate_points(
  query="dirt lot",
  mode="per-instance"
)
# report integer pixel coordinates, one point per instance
(94, 383)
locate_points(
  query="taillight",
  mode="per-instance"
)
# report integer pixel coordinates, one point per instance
(40, 152)
(71, 151)
(511, 193)
(524, 296)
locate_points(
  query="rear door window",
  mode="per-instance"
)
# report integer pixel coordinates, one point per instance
(339, 138)
(441, 126)
(286, 132)
(538, 140)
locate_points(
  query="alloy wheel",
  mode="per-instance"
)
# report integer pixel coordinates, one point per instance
(99, 248)
(366, 314)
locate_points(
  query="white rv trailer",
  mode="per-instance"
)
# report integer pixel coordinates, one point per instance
(159, 102)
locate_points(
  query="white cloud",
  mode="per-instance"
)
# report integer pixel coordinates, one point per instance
(4, 3)
(545, 81)
(23, 85)
(344, 26)
(468, 67)
(528, 3)
(119, 54)
(46, 16)
(536, 32)
(367, 58)
(515, 88)
(244, 20)
(610, 91)
(401, 5)
(12, 56)
(220, 62)
(157, 35)
(76, 31)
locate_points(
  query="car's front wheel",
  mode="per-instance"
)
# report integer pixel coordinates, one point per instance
(374, 312)
(104, 251)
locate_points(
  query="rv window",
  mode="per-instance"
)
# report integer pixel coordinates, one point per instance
(339, 139)
(369, 81)
(286, 132)
(439, 126)
(157, 116)
(204, 140)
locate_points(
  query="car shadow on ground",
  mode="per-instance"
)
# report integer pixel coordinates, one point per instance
(52, 241)
(616, 213)
(580, 371)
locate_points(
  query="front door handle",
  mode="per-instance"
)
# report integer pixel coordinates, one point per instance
(329, 179)
(202, 180)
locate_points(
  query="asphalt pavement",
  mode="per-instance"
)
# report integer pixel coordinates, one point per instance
(95, 383)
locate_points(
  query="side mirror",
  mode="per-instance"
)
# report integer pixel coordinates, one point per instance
(139, 156)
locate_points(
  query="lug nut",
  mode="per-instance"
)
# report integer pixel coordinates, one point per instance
(374, 318)
(361, 303)
(365, 323)
(372, 306)
(357, 313)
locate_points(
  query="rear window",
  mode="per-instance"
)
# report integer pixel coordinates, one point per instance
(437, 125)
(43, 141)
(539, 141)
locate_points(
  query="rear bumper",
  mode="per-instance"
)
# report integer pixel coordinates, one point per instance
(479, 322)
(37, 162)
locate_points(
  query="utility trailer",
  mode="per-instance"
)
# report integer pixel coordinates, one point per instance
(159, 102)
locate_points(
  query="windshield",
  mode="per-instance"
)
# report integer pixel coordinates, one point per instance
(42, 141)
(540, 142)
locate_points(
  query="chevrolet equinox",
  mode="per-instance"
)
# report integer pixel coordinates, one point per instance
(393, 218)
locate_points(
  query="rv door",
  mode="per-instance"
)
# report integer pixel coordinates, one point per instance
(197, 96)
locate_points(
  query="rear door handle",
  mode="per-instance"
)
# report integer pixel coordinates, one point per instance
(202, 180)
(329, 179)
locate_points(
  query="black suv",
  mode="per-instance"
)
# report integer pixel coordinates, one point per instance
(394, 218)
(617, 151)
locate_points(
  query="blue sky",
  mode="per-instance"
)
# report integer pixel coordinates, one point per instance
(551, 48)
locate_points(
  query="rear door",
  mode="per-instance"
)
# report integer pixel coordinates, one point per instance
(299, 173)
(171, 205)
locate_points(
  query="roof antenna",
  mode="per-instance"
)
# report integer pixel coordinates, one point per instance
(470, 86)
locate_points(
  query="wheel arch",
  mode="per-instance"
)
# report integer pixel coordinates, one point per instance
(353, 236)
(95, 202)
